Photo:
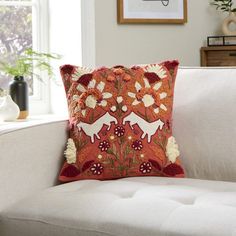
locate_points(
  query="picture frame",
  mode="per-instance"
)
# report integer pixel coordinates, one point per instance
(152, 11)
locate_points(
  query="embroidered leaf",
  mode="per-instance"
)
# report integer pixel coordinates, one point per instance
(155, 164)
(70, 171)
(173, 170)
(87, 165)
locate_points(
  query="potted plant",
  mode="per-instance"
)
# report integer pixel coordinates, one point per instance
(25, 65)
(226, 6)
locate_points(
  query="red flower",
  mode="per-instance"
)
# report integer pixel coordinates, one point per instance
(96, 169)
(119, 131)
(145, 167)
(104, 146)
(137, 145)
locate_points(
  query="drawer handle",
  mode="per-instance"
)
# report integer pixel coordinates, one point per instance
(232, 54)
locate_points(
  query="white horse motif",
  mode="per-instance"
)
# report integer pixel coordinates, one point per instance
(92, 130)
(148, 129)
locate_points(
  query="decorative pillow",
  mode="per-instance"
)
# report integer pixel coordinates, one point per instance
(120, 122)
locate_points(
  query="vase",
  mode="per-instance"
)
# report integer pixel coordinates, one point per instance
(19, 93)
(9, 111)
(231, 18)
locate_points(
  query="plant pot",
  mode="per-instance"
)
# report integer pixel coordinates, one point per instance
(19, 93)
(231, 18)
(9, 111)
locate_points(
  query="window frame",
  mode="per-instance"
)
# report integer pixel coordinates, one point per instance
(39, 102)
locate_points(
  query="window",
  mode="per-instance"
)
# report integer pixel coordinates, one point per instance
(24, 24)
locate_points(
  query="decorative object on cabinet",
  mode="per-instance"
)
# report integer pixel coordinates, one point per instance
(226, 6)
(218, 56)
(221, 40)
(152, 11)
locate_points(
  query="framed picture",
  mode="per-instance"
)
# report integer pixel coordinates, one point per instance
(152, 11)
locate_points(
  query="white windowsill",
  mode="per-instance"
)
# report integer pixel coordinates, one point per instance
(6, 127)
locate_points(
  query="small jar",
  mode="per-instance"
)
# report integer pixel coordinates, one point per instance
(19, 92)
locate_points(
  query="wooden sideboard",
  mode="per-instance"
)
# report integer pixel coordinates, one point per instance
(218, 56)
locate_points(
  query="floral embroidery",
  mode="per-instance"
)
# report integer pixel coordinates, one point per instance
(137, 145)
(96, 169)
(93, 96)
(119, 131)
(149, 96)
(70, 152)
(156, 69)
(145, 167)
(120, 122)
(104, 146)
(172, 149)
(80, 71)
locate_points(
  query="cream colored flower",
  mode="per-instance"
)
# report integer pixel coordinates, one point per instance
(70, 152)
(99, 156)
(113, 108)
(119, 99)
(157, 69)
(79, 72)
(172, 149)
(91, 101)
(148, 96)
(124, 108)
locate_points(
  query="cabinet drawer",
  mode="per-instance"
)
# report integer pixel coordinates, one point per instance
(221, 58)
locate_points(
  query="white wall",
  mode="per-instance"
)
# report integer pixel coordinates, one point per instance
(137, 44)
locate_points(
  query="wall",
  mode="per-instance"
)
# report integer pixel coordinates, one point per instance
(140, 44)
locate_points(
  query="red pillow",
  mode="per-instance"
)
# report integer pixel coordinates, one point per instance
(120, 122)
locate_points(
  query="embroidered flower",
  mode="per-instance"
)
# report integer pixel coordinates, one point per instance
(119, 131)
(93, 96)
(124, 108)
(137, 145)
(113, 108)
(104, 146)
(145, 167)
(154, 72)
(96, 169)
(149, 96)
(70, 152)
(79, 72)
(172, 150)
(119, 99)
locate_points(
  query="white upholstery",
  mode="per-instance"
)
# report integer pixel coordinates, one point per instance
(30, 160)
(205, 122)
(149, 206)
(205, 129)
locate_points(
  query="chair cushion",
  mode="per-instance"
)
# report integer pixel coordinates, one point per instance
(152, 206)
(204, 122)
(120, 122)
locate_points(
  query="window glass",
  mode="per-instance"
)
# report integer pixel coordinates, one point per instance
(15, 35)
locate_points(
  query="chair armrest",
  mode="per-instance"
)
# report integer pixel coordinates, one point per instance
(30, 160)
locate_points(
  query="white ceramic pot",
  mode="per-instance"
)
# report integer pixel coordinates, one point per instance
(9, 111)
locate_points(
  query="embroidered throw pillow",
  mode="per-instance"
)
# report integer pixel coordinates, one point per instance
(120, 122)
